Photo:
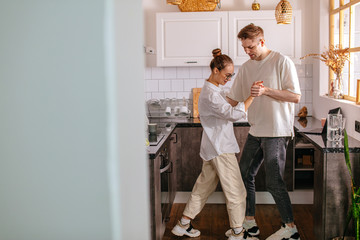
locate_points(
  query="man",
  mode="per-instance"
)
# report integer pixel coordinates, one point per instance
(271, 119)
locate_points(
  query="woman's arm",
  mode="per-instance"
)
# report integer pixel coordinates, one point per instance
(225, 110)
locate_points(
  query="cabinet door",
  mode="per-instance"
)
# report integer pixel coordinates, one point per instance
(283, 38)
(190, 164)
(157, 228)
(187, 39)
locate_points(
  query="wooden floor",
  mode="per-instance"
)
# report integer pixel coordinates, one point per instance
(213, 221)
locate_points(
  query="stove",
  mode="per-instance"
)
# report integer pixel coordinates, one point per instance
(155, 139)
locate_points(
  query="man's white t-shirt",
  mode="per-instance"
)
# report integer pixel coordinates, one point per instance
(267, 116)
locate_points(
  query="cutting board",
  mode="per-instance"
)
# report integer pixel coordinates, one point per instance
(196, 94)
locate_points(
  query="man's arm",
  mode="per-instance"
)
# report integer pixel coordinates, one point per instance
(281, 95)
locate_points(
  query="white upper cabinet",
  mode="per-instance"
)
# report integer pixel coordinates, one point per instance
(283, 38)
(187, 38)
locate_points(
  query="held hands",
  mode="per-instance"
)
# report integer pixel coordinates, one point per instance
(257, 89)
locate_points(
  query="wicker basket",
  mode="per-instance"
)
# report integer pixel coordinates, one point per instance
(196, 6)
(283, 12)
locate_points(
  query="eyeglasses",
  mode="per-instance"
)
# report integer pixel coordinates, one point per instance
(229, 75)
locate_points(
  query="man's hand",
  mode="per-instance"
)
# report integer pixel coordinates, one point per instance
(257, 89)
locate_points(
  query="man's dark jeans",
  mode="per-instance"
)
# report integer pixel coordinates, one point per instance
(271, 151)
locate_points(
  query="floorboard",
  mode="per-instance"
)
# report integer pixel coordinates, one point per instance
(213, 221)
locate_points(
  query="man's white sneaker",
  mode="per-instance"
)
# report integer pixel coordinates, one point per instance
(253, 232)
(188, 230)
(285, 233)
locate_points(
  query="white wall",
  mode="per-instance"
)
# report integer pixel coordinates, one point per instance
(71, 167)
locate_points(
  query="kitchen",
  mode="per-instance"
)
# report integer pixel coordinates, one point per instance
(164, 79)
(72, 164)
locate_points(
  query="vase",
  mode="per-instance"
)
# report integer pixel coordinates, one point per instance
(337, 90)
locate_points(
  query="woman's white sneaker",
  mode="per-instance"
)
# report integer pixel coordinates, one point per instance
(252, 232)
(188, 230)
(285, 233)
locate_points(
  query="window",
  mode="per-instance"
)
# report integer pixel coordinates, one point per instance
(345, 30)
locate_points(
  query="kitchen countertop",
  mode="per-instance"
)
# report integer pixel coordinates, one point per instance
(320, 141)
(189, 122)
(166, 126)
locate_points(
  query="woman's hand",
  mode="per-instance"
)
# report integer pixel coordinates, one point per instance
(257, 89)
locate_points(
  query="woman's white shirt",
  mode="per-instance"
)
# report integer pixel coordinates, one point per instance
(217, 117)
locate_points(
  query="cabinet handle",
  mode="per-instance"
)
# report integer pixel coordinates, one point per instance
(171, 168)
(172, 138)
(191, 62)
(164, 169)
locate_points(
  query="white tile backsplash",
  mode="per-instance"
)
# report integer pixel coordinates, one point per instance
(177, 85)
(148, 96)
(170, 95)
(157, 73)
(308, 97)
(183, 72)
(300, 70)
(308, 84)
(189, 84)
(308, 70)
(147, 73)
(177, 82)
(181, 95)
(206, 72)
(302, 84)
(152, 85)
(170, 73)
(164, 85)
(196, 72)
(158, 95)
(200, 83)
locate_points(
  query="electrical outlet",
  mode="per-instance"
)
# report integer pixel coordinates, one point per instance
(357, 126)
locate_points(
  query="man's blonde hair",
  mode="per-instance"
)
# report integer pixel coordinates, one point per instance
(251, 31)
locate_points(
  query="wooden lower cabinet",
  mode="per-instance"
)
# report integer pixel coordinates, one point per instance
(163, 184)
(190, 163)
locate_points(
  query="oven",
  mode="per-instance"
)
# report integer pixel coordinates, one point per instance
(166, 169)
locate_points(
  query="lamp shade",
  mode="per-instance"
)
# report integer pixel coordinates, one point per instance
(283, 12)
(213, 1)
(174, 2)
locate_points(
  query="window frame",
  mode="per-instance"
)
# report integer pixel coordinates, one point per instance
(332, 16)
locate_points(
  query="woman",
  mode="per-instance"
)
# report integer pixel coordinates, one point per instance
(218, 148)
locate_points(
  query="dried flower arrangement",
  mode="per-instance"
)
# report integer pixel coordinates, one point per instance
(335, 58)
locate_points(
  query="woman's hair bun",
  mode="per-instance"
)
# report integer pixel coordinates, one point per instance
(216, 52)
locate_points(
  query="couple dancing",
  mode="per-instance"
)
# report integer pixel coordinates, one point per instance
(268, 82)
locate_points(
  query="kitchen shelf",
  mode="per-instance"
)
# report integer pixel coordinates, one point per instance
(303, 156)
(305, 180)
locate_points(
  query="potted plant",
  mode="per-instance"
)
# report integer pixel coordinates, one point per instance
(354, 212)
(335, 58)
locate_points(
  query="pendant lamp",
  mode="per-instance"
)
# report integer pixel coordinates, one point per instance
(283, 12)
(174, 2)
